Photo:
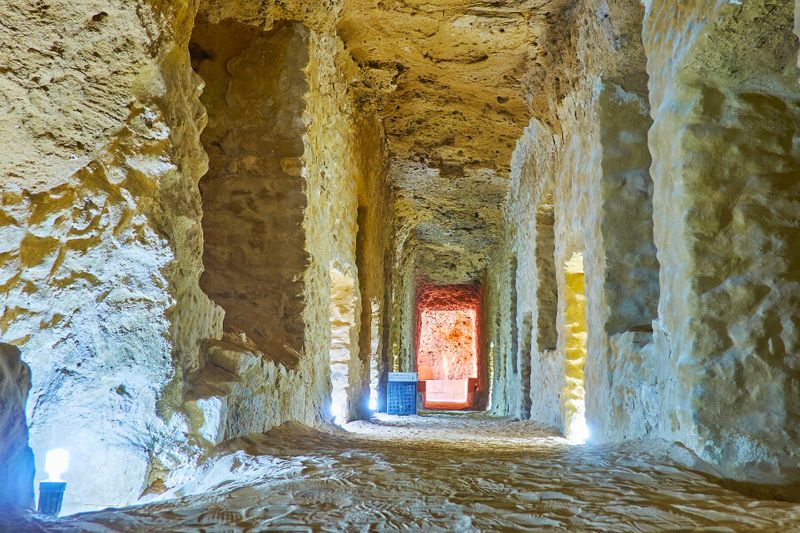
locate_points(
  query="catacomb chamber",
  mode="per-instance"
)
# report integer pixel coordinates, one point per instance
(228, 232)
(448, 356)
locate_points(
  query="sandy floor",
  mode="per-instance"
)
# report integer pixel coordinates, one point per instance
(440, 473)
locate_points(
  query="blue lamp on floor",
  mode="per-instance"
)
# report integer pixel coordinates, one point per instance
(51, 491)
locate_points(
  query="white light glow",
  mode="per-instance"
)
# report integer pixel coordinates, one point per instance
(373, 402)
(56, 462)
(578, 431)
(337, 411)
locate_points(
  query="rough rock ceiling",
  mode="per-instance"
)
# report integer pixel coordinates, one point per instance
(449, 78)
(451, 220)
(449, 74)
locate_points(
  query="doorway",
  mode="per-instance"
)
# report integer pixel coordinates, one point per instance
(575, 331)
(448, 363)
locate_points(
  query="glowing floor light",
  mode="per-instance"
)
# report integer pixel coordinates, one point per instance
(56, 462)
(373, 401)
(578, 431)
(338, 411)
(51, 491)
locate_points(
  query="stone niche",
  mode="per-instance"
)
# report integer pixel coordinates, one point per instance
(16, 457)
(253, 194)
(448, 341)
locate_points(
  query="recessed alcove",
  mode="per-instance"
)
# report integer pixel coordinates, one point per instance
(448, 354)
(253, 195)
(575, 332)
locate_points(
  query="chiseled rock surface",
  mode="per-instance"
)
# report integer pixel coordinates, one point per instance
(238, 393)
(449, 75)
(16, 457)
(102, 245)
(101, 241)
(579, 184)
(715, 368)
(253, 193)
(726, 109)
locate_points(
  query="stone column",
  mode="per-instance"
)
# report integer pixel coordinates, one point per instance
(726, 168)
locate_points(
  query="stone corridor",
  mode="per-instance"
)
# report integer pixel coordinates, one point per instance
(228, 228)
(442, 472)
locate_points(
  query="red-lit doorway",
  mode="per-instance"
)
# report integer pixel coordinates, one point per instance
(448, 345)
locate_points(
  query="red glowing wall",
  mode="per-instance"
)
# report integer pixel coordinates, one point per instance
(448, 345)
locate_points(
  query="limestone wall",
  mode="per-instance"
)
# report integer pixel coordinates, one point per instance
(372, 249)
(725, 165)
(572, 192)
(576, 187)
(16, 475)
(401, 334)
(345, 171)
(681, 196)
(496, 282)
(103, 247)
(338, 167)
(101, 235)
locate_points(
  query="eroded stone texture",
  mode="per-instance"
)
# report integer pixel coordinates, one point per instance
(725, 164)
(280, 478)
(102, 237)
(345, 171)
(441, 235)
(253, 194)
(583, 186)
(442, 71)
(338, 167)
(61, 95)
(544, 323)
(16, 457)
(447, 330)
(448, 346)
(103, 246)
(720, 111)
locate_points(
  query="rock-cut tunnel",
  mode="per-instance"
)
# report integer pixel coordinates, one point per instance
(568, 230)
